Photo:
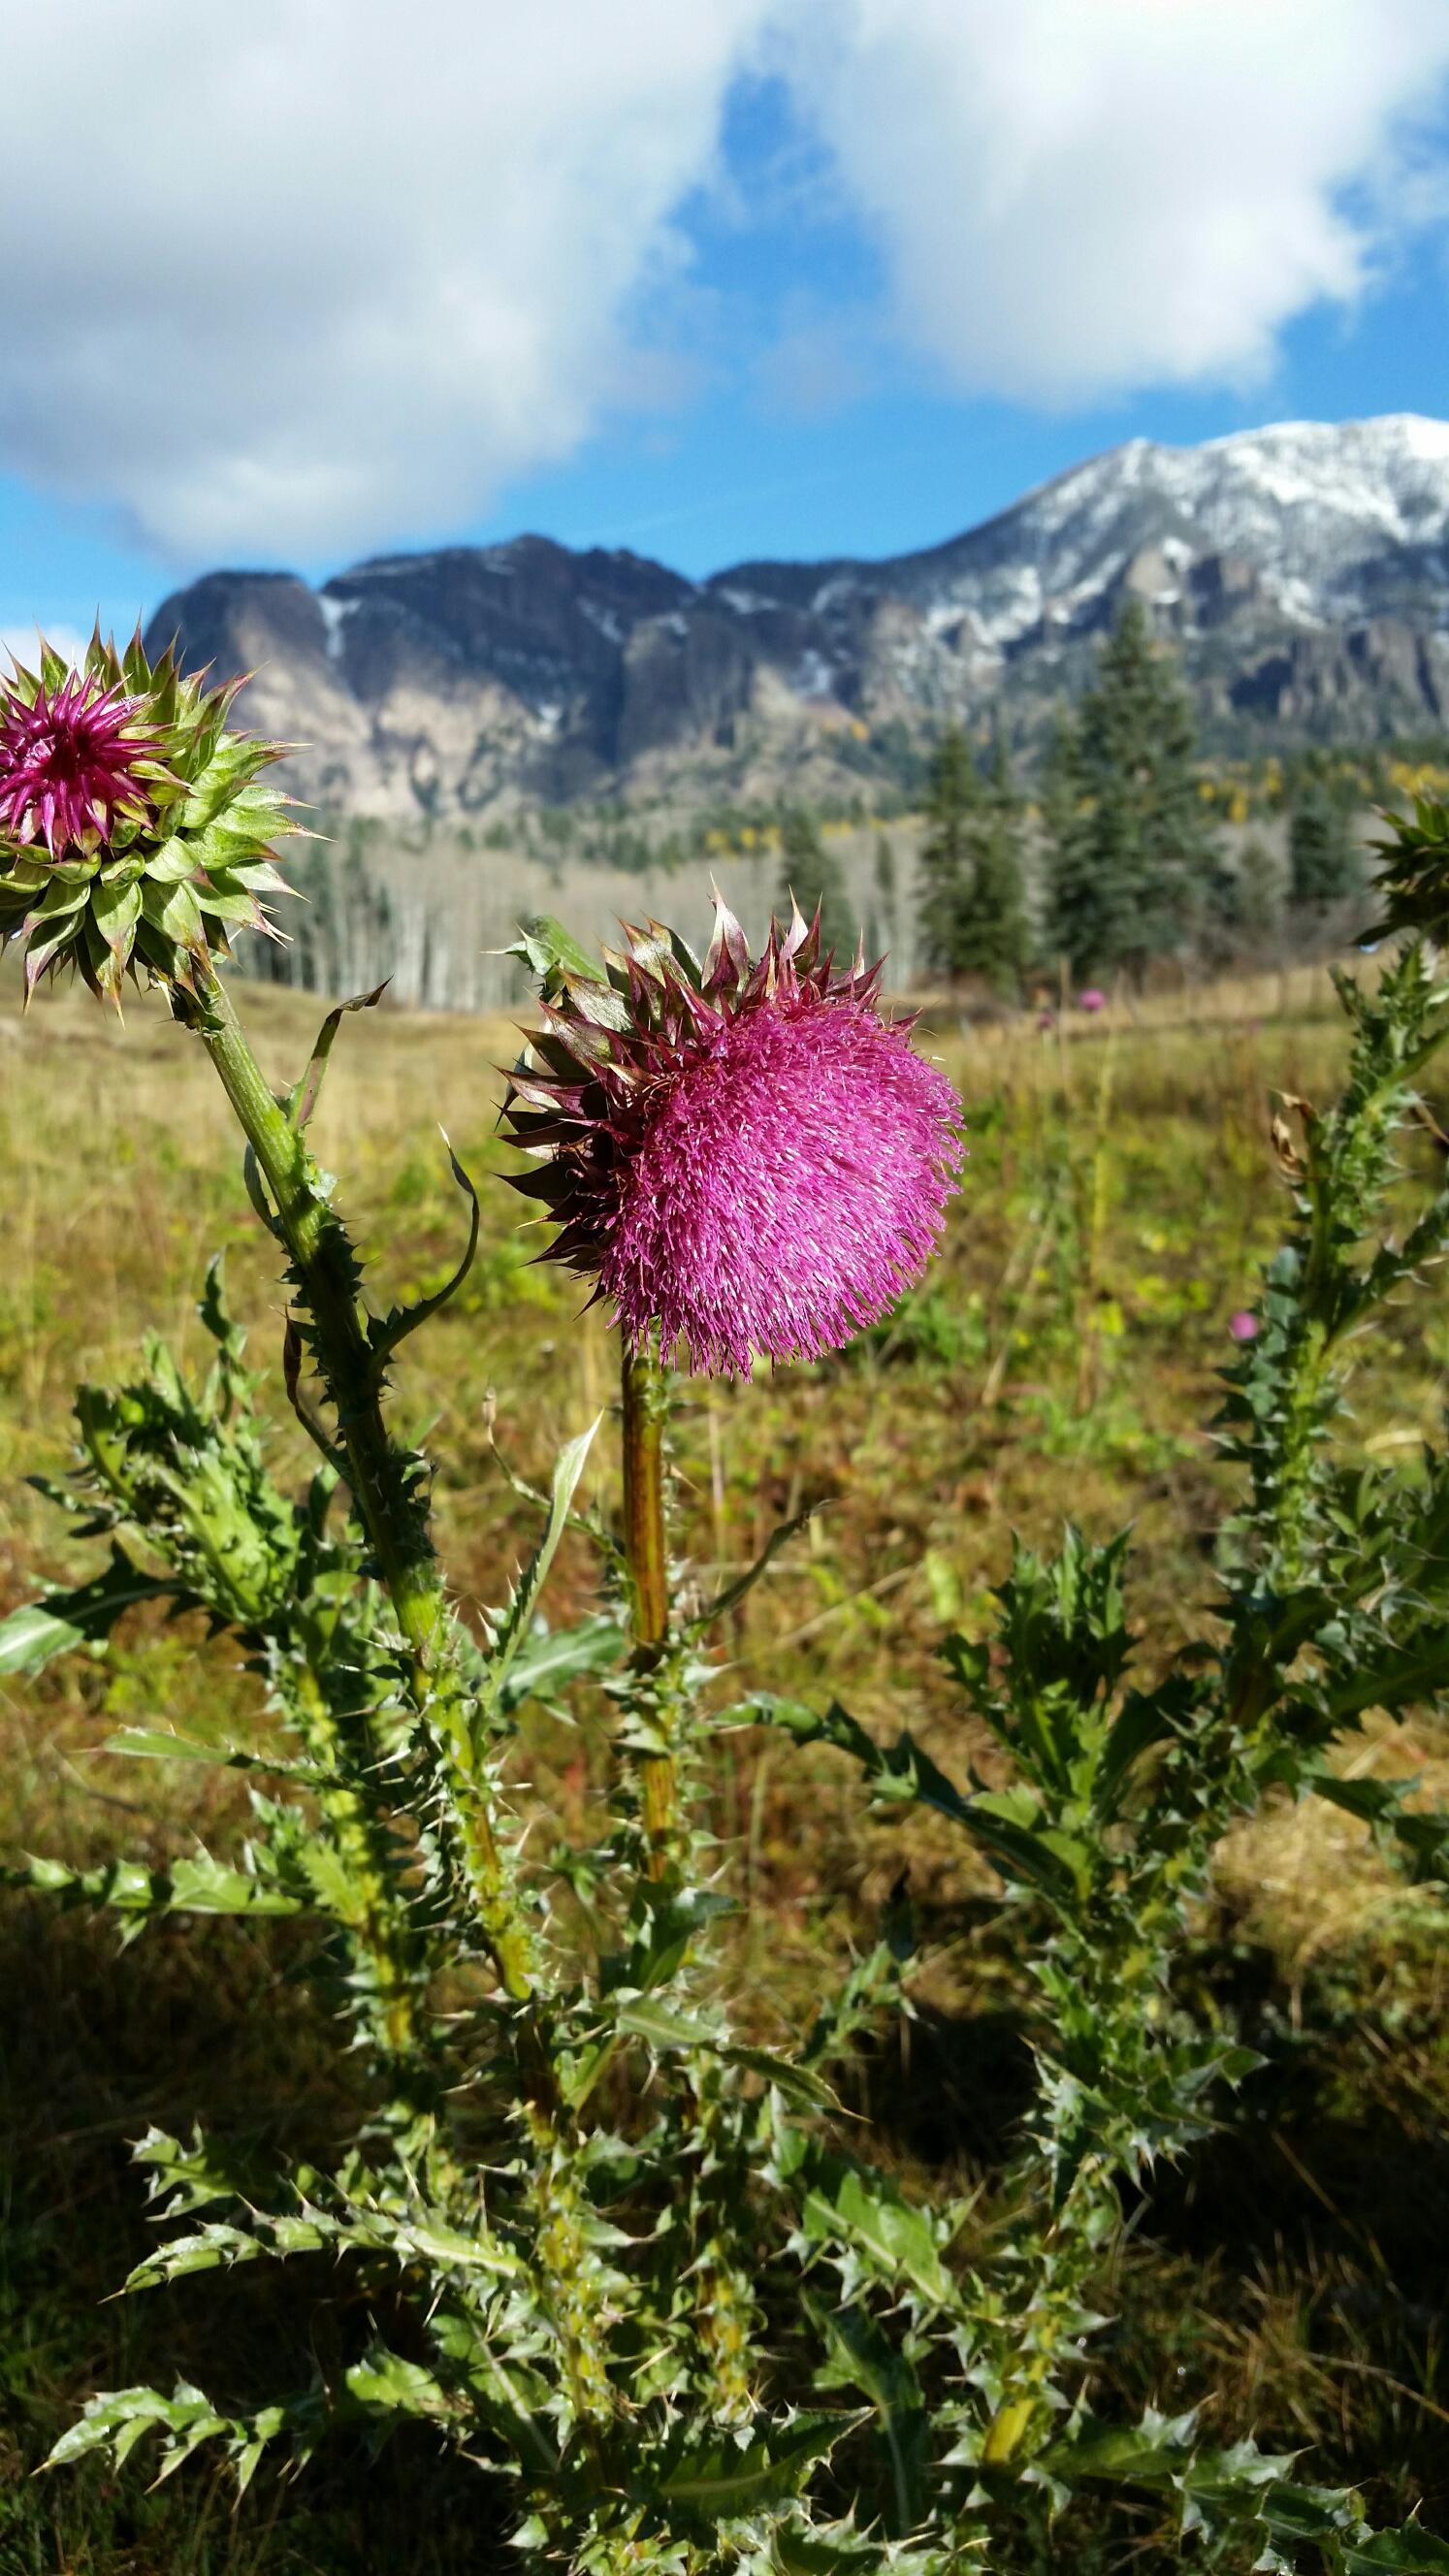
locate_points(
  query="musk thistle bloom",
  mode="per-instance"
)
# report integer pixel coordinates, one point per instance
(134, 830)
(747, 1155)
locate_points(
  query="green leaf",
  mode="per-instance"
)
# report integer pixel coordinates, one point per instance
(550, 952)
(797, 2553)
(386, 1331)
(1151, 2453)
(1406, 2552)
(158, 1745)
(117, 2419)
(665, 1922)
(161, 1744)
(662, 2027)
(640, 2017)
(903, 1771)
(175, 912)
(385, 2384)
(1422, 1834)
(118, 2415)
(1045, 1857)
(549, 1657)
(512, 1627)
(33, 1636)
(211, 2248)
(719, 2481)
(735, 1592)
(116, 909)
(855, 2206)
(862, 2357)
(36, 1633)
(1420, 1672)
(173, 863)
(799, 2084)
(1315, 2514)
(1144, 1720)
(199, 1885)
(225, 900)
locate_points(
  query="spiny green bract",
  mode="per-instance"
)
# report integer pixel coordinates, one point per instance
(162, 856)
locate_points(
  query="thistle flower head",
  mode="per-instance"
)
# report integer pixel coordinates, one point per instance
(747, 1155)
(134, 830)
(74, 763)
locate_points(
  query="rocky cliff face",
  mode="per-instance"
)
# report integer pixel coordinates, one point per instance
(1303, 570)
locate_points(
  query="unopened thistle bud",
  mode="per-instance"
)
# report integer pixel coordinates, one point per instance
(135, 832)
(748, 1156)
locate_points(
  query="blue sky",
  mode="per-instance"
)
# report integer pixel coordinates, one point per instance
(771, 277)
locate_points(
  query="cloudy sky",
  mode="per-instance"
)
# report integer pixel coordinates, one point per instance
(709, 278)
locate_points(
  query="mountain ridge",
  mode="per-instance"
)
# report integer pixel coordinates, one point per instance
(1302, 569)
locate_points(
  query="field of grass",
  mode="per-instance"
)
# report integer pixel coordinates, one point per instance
(1059, 1362)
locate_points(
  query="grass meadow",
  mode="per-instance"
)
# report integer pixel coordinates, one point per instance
(1059, 1362)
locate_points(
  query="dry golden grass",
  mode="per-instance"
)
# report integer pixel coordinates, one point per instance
(1118, 1194)
(1119, 1197)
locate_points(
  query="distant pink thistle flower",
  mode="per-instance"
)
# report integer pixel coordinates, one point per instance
(1092, 999)
(755, 1161)
(72, 765)
(1243, 1326)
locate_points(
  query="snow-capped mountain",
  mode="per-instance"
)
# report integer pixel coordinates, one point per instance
(1335, 521)
(1303, 569)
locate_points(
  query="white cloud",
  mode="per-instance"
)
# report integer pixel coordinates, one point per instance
(20, 642)
(1078, 197)
(323, 275)
(324, 270)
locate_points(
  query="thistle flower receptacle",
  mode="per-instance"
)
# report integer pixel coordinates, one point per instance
(748, 1156)
(135, 831)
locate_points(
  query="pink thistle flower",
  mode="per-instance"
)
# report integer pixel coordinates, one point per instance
(73, 764)
(749, 1157)
(1092, 999)
(1243, 1326)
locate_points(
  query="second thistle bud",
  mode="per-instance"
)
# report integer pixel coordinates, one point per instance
(135, 831)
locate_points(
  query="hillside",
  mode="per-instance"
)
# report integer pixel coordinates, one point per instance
(1302, 569)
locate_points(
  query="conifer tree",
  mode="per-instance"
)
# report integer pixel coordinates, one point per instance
(1261, 886)
(1131, 846)
(882, 907)
(811, 875)
(995, 937)
(886, 884)
(1000, 783)
(1322, 863)
(973, 907)
(954, 801)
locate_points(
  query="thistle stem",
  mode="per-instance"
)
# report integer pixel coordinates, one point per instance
(645, 1413)
(387, 1483)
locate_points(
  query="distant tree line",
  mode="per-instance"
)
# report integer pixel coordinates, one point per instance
(1131, 862)
(1124, 850)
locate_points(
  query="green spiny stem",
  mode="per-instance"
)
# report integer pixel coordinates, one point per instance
(645, 1412)
(387, 1484)
(381, 1929)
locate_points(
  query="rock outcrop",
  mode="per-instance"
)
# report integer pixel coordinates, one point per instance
(1303, 570)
